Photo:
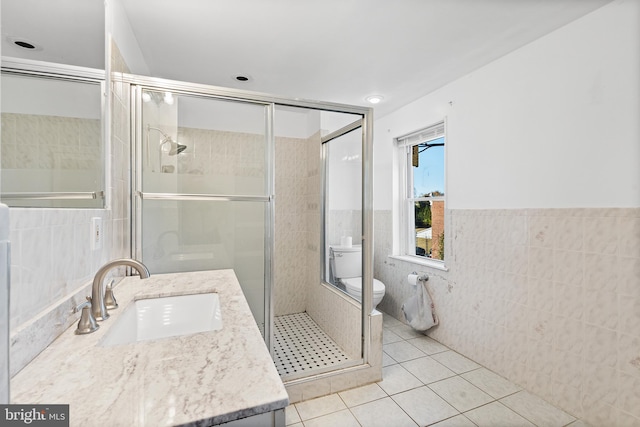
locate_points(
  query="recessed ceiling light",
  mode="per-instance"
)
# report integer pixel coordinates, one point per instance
(242, 78)
(374, 99)
(23, 43)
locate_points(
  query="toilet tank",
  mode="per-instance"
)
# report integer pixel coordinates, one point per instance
(346, 262)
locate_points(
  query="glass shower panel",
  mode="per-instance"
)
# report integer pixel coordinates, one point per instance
(343, 198)
(187, 235)
(204, 189)
(200, 145)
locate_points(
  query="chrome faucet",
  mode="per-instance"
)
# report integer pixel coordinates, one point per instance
(98, 307)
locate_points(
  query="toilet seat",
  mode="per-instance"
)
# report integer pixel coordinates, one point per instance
(354, 284)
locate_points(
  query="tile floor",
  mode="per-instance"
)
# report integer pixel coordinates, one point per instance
(301, 348)
(427, 384)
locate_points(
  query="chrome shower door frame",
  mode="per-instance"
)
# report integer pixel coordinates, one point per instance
(139, 83)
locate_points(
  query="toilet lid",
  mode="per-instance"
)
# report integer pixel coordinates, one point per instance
(355, 284)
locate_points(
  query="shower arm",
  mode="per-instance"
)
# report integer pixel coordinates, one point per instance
(166, 137)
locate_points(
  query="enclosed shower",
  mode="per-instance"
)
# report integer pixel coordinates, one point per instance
(226, 179)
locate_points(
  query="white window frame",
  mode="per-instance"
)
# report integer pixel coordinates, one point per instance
(405, 244)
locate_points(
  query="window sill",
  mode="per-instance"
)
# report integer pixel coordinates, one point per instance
(422, 262)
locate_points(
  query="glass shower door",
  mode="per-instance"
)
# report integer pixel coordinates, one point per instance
(203, 188)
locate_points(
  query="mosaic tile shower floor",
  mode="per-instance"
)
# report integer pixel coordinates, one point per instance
(301, 348)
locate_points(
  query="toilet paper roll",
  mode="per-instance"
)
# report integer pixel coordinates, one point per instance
(346, 241)
(412, 279)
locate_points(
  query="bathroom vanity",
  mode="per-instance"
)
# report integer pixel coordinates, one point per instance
(203, 379)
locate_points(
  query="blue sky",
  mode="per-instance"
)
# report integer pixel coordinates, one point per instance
(429, 176)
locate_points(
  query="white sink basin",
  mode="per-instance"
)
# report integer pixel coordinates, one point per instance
(155, 318)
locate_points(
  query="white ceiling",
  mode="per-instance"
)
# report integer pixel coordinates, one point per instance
(329, 50)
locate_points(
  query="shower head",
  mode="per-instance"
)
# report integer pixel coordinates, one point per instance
(171, 147)
(168, 145)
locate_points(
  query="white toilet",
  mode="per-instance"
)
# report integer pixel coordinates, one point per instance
(346, 267)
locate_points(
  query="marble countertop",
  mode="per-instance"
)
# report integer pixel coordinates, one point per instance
(199, 379)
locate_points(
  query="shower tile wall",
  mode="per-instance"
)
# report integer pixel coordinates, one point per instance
(52, 264)
(233, 155)
(296, 231)
(50, 142)
(549, 298)
(345, 223)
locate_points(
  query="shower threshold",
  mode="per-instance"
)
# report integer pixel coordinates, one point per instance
(302, 349)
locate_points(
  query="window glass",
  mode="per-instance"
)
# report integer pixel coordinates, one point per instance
(424, 226)
(428, 171)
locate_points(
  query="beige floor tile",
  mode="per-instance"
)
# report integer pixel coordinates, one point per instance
(387, 360)
(360, 395)
(382, 413)
(460, 393)
(402, 351)
(291, 415)
(580, 423)
(457, 421)
(427, 370)
(495, 414)
(456, 362)
(342, 418)
(296, 425)
(406, 332)
(537, 410)
(390, 322)
(388, 336)
(428, 345)
(396, 379)
(491, 383)
(424, 406)
(320, 406)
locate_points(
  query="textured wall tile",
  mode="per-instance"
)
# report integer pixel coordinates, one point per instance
(600, 272)
(568, 267)
(629, 237)
(601, 235)
(628, 273)
(569, 233)
(601, 309)
(578, 284)
(569, 335)
(541, 261)
(629, 394)
(600, 346)
(600, 384)
(568, 301)
(629, 315)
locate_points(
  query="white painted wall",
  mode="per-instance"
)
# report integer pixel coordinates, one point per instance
(552, 124)
(29, 95)
(345, 172)
(119, 28)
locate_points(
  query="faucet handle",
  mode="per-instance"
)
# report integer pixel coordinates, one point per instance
(110, 299)
(87, 323)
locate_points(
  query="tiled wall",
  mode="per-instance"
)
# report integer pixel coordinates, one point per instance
(51, 153)
(293, 257)
(549, 298)
(345, 223)
(222, 154)
(52, 265)
(50, 142)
